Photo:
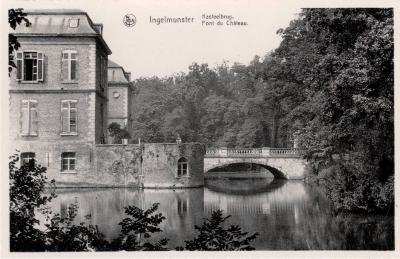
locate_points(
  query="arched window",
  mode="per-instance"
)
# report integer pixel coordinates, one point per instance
(182, 167)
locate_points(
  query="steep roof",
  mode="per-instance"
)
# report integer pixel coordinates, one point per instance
(121, 77)
(60, 22)
(113, 64)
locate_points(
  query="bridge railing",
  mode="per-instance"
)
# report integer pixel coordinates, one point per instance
(287, 152)
(244, 152)
(253, 152)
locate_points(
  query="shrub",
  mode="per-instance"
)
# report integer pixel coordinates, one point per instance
(213, 237)
(117, 133)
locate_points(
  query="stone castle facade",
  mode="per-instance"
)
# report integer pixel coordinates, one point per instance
(63, 94)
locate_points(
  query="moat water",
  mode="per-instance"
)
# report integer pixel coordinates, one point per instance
(288, 215)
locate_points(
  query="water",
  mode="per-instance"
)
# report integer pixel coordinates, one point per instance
(288, 215)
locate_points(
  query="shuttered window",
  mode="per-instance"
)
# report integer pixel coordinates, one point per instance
(30, 66)
(69, 65)
(69, 117)
(29, 118)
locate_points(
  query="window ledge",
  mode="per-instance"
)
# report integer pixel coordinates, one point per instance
(29, 134)
(69, 82)
(68, 134)
(186, 176)
(69, 172)
(29, 82)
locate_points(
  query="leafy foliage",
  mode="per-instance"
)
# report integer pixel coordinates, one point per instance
(140, 224)
(26, 186)
(214, 237)
(328, 87)
(117, 133)
(342, 62)
(206, 105)
(15, 17)
(60, 233)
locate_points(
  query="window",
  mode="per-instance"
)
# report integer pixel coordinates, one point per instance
(27, 158)
(182, 167)
(29, 118)
(103, 72)
(182, 206)
(73, 23)
(69, 66)
(68, 161)
(29, 66)
(68, 117)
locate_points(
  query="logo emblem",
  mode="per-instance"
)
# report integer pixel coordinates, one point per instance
(129, 20)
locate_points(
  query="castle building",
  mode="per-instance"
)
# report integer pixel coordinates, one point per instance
(120, 96)
(62, 96)
(58, 92)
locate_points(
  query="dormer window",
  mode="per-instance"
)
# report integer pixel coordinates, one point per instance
(73, 23)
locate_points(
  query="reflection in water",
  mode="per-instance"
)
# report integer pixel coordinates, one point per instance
(287, 214)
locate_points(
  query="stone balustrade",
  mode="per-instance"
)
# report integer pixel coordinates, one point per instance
(252, 152)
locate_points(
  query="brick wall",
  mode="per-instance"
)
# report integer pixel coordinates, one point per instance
(49, 117)
(52, 48)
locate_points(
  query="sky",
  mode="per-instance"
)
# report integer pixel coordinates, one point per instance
(148, 49)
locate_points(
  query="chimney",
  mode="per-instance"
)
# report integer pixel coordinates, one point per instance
(99, 28)
(128, 76)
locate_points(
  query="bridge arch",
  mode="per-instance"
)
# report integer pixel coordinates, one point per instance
(278, 174)
(283, 163)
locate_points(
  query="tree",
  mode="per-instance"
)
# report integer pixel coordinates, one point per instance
(140, 225)
(117, 133)
(26, 186)
(340, 64)
(213, 237)
(15, 17)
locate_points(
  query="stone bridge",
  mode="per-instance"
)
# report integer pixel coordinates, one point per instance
(283, 163)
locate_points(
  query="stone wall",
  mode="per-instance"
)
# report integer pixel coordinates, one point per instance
(118, 165)
(160, 165)
(147, 165)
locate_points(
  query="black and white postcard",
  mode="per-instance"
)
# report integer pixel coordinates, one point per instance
(266, 128)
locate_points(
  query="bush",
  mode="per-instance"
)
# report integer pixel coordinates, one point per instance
(117, 133)
(26, 186)
(352, 189)
(213, 237)
(140, 225)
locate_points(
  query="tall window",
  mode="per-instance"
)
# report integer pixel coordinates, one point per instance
(103, 72)
(182, 167)
(68, 161)
(29, 66)
(27, 158)
(29, 118)
(182, 206)
(69, 65)
(69, 117)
